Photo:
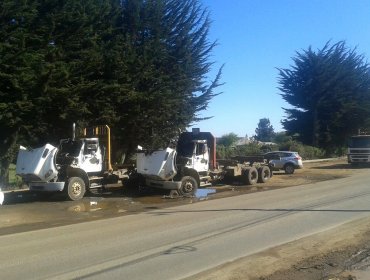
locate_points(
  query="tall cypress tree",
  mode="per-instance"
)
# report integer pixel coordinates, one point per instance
(329, 90)
(166, 50)
(139, 66)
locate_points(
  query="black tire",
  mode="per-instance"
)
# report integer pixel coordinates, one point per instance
(75, 188)
(189, 186)
(264, 174)
(250, 176)
(289, 168)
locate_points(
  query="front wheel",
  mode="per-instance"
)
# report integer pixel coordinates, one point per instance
(189, 186)
(75, 188)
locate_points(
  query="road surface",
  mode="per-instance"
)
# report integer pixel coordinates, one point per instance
(178, 242)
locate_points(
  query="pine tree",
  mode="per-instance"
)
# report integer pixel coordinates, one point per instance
(264, 131)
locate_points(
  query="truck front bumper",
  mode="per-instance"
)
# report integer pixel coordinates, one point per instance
(358, 158)
(167, 185)
(46, 186)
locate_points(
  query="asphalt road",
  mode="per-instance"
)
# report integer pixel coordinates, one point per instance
(178, 242)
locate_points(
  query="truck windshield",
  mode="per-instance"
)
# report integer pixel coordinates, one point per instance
(72, 147)
(185, 149)
(359, 142)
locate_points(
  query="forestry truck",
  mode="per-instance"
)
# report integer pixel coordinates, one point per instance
(73, 167)
(193, 164)
(359, 149)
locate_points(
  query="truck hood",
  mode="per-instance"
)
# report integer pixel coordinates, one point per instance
(158, 164)
(37, 164)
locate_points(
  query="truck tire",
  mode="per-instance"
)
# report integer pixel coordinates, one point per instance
(289, 168)
(75, 188)
(250, 176)
(271, 171)
(189, 186)
(264, 174)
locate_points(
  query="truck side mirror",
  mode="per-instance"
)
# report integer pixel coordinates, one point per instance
(204, 149)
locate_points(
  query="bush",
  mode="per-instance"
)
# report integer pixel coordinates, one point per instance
(306, 152)
(254, 148)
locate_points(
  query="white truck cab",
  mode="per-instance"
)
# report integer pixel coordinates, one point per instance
(183, 169)
(75, 166)
(198, 156)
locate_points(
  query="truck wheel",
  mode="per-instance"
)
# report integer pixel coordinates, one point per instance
(76, 188)
(250, 176)
(189, 186)
(263, 174)
(289, 168)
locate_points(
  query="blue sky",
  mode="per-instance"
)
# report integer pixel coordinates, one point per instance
(257, 36)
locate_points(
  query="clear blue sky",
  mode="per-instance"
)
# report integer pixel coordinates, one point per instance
(257, 36)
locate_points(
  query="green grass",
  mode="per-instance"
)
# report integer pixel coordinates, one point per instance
(14, 181)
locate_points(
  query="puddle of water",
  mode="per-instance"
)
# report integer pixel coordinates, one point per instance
(94, 204)
(203, 193)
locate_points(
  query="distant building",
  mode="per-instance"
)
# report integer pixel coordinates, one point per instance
(242, 141)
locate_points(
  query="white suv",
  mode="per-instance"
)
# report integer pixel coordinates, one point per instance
(284, 160)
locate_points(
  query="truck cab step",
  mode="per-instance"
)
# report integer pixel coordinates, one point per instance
(205, 184)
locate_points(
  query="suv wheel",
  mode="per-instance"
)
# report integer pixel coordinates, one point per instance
(289, 168)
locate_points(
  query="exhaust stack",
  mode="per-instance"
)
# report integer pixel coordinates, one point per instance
(73, 131)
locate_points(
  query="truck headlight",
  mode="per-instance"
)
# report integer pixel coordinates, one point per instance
(48, 174)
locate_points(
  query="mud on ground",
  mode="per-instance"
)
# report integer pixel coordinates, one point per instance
(23, 211)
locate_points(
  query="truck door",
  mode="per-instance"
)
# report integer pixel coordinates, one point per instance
(201, 157)
(91, 160)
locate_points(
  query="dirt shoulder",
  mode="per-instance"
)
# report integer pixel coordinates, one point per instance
(342, 253)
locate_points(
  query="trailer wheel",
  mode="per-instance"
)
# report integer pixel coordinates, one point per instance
(189, 186)
(76, 188)
(250, 176)
(263, 174)
(289, 168)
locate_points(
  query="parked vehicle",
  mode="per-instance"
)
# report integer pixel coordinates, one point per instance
(74, 167)
(193, 164)
(284, 160)
(359, 149)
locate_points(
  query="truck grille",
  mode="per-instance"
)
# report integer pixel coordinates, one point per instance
(359, 151)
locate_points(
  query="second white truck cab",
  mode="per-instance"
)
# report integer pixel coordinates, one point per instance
(193, 164)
